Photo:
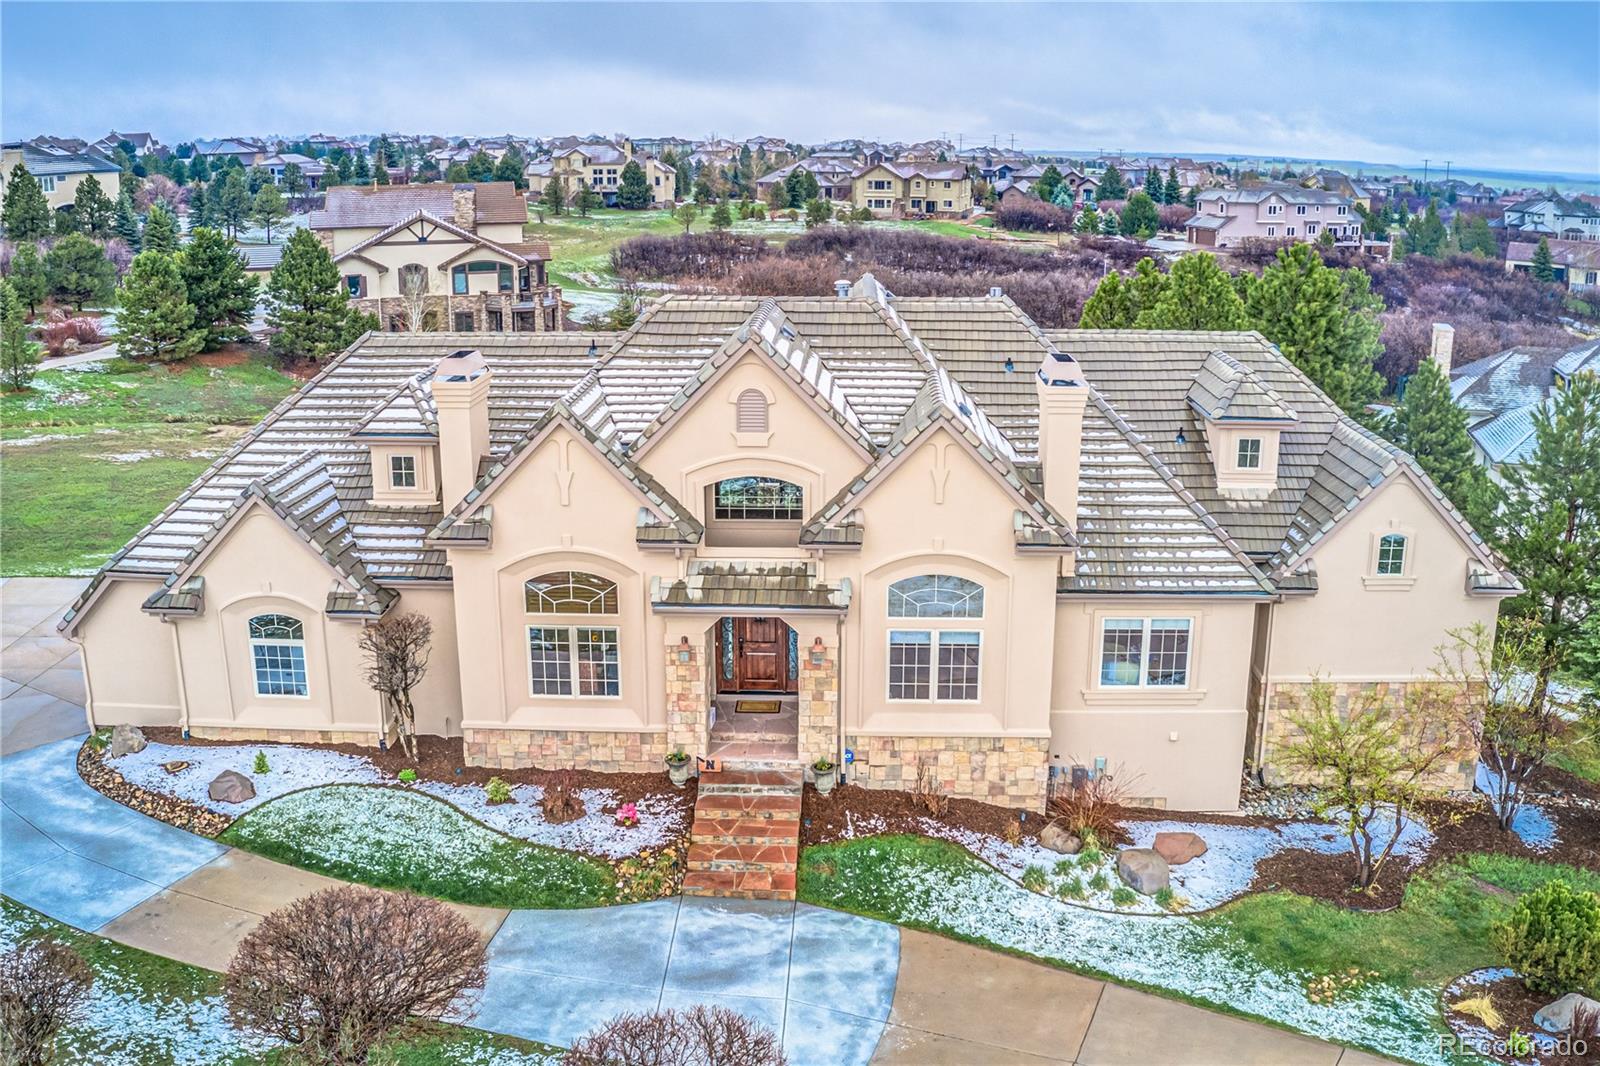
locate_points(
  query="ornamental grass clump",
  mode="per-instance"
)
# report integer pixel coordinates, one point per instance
(1034, 880)
(1552, 940)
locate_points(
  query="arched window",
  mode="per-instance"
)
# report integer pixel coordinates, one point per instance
(935, 664)
(750, 412)
(278, 652)
(413, 279)
(758, 498)
(559, 653)
(935, 596)
(1392, 555)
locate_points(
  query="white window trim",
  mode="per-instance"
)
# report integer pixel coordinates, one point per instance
(1141, 694)
(1144, 653)
(1261, 454)
(255, 678)
(933, 659)
(1407, 576)
(609, 622)
(394, 472)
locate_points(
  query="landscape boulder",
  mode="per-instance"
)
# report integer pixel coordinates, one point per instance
(231, 786)
(1557, 1017)
(1143, 869)
(1179, 848)
(1057, 838)
(126, 740)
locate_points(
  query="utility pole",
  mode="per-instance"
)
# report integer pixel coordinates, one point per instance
(1425, 163)
(1447, 172)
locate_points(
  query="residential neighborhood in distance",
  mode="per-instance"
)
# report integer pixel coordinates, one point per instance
(696, 561)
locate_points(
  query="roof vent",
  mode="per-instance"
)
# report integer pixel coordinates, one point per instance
(593, 350)
(841, 289)
(995, 292)
(1011, 364)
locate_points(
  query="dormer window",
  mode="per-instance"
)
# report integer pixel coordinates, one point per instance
(402, 471)
(1249, 453)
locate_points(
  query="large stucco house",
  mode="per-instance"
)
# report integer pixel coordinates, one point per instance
(936, 534)
(1279, 212)
(599, 164)
(896, 190)
(59, 171)
(440, 256)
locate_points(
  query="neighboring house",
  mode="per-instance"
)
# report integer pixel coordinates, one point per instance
(440, 256)
(900, 190)
(58, 171)
(1225, 217)
(1553, 215)
(1336, 181)
(1501, 393)
(311, 169)
(1470, 192)
(1577, 263)
(598, 164)
(261, 259)
(937, 535)
(835, 178)
(143, 144)
(246, 151)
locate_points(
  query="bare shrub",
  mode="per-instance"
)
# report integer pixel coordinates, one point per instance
(929, 792)
(62, 332)
(1174, 216)
(1095, 806)
(395, 657)
(696, 255)
(561, 802)
(1032, 215)
(699, 1036)
(44, 985)
(334, 974)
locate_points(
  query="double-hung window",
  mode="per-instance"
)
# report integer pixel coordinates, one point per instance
(939, 663)
(1144, 652)
(572, 660)
(278, 655)
(1392, 555)
(1249, 454)
(402, 471)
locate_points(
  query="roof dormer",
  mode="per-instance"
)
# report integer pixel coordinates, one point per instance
(1244, 418)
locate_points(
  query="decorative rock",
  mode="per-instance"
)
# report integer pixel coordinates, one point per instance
(1557, 1017)
(1056, 838)
(126, 740)
(1143, 869)
(176, 766)
(231, 786)
(1179, 848)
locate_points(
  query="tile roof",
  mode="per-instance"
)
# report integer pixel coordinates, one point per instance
(366, 206)
(1580, 255)
(1225, 390)
(759, 584)
(55, 163)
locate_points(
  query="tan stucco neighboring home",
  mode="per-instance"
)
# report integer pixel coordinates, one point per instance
(440, 256)
(598, 164)
(1577, 263)
(59, 171)
(835, 178)
(944, 541)
(1274, 212)
(899, 190)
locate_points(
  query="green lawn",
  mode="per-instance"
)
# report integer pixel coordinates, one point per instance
(1581, 760)
(149, 1009)
(90, 456)
(395, 838)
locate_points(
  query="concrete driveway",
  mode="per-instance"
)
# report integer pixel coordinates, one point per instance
(41, 674)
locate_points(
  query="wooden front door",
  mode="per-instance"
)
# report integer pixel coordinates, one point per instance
(760, 656)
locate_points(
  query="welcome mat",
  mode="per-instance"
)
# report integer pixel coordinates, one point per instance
(756, 706)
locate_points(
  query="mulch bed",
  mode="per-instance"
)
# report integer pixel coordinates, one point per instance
(1517, 1006)
(439, 759)
(839, 815)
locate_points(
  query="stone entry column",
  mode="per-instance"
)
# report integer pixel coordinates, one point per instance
(818, 691)
(687, 696)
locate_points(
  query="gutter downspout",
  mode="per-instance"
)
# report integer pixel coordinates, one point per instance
(838, 711)
(183, 687)
(88, 689)
(1266, 687)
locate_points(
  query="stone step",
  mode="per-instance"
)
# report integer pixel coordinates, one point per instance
(730, 736)
(752, 779)
(716, 855)
(743, 830)
(737, 806)
(752, 884)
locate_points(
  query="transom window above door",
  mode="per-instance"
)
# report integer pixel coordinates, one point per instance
(935, 596)
(758, 499)
(573, 660)
(278, 655)
(571, 592)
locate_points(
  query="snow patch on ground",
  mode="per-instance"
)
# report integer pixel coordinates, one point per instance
(1536, 827)
(291, 768)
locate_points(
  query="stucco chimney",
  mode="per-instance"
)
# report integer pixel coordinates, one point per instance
(464, 207)
(461, 391)
(1063, 394)
(1444, 343)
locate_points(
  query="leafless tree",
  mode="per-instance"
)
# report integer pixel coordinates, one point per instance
(700, 1036)
(395, 655)
(44, 985)
(334, 974)
(561, 802)
(414, 295)
(1493, 681)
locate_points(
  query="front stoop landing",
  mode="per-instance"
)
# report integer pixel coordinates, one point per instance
(746, 836)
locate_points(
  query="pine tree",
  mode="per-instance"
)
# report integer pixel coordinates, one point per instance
(1198, 295)
(222, 292)
(1550, 536)
(66, 221)
(93, 207)
(1427, 235)
(1109, 224)
(19, 357)
(555, 194)
(155, 319)
(511, 167)
(1152, 185)
(233, 203)
(1324, 320)
(634, 192)
(268, 209)
(1433, 428)
(200, 209)
(28, 278)
(79, 271)
(1544, 264)
(1111, 306)
(586, 199)
(380, 175)
(817, 212)
(1089, 220)
(294, 180)
(361, 174)
(1140, 217)
(721, 217)
(1112, 187)
(1063, 195)
(128, 221)
(199, 169)
(26, 213)
(1172, 192)
(308, 305)
(1049, 181)
(809, 189)
(160, 230)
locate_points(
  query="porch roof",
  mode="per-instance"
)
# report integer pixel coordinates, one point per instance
(760, 585)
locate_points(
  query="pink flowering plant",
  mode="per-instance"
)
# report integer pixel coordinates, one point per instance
(628, 815)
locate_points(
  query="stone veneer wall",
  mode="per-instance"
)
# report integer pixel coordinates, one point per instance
(1008, 771)
(819, 705)
(367, 739)
(688, 706)
(1455, 774)
(565, 749)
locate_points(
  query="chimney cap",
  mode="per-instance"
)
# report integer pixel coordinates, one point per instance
(995, 292)
(1060, 369)
(463, 364)
(841, 288)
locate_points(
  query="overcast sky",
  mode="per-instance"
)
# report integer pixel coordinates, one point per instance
(1509, 86)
